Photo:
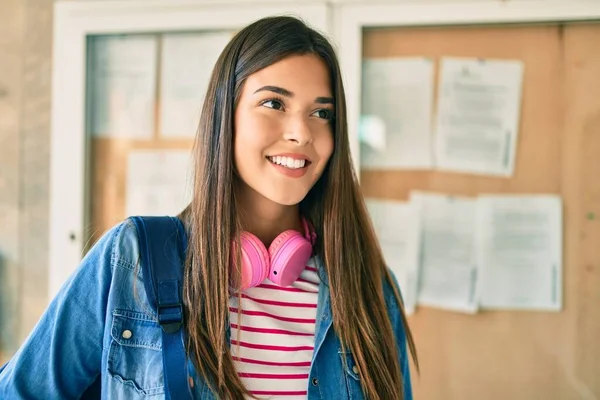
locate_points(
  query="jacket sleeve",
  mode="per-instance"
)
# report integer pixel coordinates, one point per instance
(401, 343)
(62, 355)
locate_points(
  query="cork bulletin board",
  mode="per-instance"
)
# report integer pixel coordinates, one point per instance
(518, 354)
(145, 93)
(109, 166)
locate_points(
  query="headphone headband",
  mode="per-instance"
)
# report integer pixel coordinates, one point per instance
(309, 231)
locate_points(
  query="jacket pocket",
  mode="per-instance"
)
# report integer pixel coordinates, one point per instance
(135, 354)
(351, 375)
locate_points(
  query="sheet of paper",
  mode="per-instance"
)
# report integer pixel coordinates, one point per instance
(521, 252)
(477, 124)
(123, 85)
(448, 278)
(187, 62)
(398, 230)
(159, 182)
(396, 117)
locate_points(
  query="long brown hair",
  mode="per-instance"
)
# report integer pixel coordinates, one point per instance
(346, 241)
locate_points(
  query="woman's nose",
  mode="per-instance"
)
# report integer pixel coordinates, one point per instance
(298, 130)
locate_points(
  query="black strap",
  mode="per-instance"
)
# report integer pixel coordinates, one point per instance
(163, 243)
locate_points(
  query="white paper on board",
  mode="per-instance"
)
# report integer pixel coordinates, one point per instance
(478, 112)
(521, 252)
(187, 62)
(159, 182)
(397, 225)
(448, 275)
(123, 86)
(396, 116)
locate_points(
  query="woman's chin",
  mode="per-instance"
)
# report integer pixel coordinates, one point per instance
(287, 200)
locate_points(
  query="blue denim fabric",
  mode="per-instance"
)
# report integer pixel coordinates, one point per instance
(101, 323)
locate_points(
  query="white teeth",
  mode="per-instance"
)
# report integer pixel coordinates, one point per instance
(288, 162)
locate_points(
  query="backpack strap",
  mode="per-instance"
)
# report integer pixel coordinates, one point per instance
(163, 243)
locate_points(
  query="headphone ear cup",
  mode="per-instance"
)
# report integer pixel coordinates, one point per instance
(289, 252)
(255, 261)
(279, 241)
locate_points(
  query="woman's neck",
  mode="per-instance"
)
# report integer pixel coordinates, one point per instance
(265, 218)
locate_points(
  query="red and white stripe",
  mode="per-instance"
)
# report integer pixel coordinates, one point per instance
(273, 339)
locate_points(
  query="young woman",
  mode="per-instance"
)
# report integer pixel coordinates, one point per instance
(272, 166)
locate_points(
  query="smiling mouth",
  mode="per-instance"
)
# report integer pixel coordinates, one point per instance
(289, 162)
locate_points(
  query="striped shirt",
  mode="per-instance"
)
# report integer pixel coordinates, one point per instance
(273, 339)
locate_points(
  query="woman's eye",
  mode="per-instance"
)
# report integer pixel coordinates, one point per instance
(274, 104)
(324, 113)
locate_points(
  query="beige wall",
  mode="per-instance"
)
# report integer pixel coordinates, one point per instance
(25, 70)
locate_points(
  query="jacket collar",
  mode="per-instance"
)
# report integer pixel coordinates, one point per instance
(324, 318)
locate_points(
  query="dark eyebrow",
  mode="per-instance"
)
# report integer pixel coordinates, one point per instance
(276, 89)
(324, 100)
(287, 93)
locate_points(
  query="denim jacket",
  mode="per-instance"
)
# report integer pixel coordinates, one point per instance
(97, 326)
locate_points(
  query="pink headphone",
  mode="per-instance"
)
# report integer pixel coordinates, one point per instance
(282, 263)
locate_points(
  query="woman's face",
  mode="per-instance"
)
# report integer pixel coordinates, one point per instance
(283, 130)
